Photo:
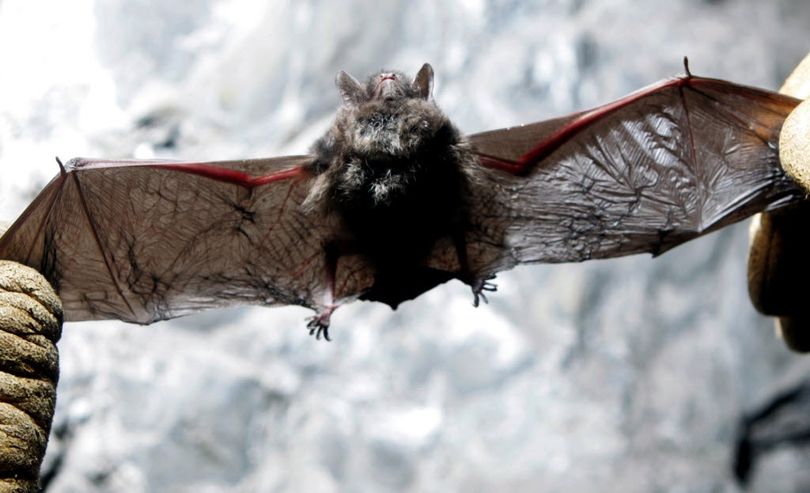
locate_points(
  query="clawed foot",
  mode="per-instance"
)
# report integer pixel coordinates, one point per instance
(319, 324)
(478, 288)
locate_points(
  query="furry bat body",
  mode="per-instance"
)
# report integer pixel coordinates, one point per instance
(394, 200)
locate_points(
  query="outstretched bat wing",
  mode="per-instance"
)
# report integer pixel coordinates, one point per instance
(643, 174)
(149, 240)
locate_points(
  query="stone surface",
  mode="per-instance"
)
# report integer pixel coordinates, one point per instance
(624, 375)
(778, 264)
(794, 147)
(30, 325)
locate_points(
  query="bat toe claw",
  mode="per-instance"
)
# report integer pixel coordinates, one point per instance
(478, 288)
(319, 324)
(318, 327)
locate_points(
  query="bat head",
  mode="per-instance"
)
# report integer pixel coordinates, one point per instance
(386, 85)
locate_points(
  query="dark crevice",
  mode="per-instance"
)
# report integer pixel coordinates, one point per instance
(784, 421)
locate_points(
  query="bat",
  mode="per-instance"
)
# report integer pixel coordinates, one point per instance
(393, 200)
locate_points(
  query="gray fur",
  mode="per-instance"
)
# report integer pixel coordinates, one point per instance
(374, 131)
(393, 169)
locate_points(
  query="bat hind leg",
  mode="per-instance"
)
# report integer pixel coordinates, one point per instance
(478, 284)
(319, 323)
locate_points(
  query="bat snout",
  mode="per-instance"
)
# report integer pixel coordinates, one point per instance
(388, 86)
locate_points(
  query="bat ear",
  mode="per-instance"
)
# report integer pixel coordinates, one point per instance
(350, 90)
(423, 82)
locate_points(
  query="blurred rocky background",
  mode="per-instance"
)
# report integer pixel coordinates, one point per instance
(631, 375)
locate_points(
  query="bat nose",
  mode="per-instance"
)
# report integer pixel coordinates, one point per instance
(386, 86)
